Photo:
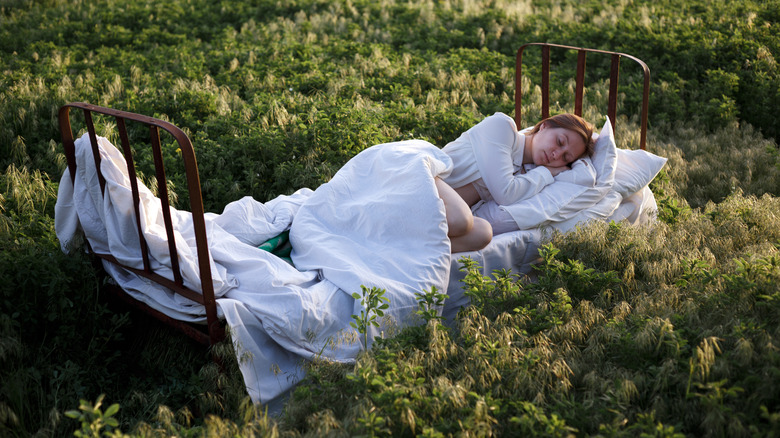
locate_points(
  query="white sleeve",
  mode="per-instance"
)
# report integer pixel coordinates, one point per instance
(582, 172)
(493, 140)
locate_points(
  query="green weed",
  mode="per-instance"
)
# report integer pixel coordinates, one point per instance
(374, 304)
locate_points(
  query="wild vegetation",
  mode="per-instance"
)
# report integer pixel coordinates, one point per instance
(664, 331)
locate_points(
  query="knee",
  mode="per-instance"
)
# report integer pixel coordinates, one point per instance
(482, 232)
(480, 235)
(460, 225)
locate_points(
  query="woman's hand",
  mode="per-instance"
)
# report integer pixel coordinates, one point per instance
(556, 170)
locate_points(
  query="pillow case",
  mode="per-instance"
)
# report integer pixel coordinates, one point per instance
(604, 156)
(635, 169)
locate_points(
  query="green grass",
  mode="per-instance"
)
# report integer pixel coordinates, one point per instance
(663, 331)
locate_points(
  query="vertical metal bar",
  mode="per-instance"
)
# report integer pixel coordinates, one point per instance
(545, 82)
(614, 74)
(67, 141)
(645, 105)
(580, 82)
(95, 150)
(120, 123)
(216, 331)
(519, 88)
(162, 193)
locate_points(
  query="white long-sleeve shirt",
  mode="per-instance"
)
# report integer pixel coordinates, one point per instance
(572, 191)
(490, 155)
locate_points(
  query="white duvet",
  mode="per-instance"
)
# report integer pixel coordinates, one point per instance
(378, 223)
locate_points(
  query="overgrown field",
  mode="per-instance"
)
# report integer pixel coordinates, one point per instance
(665, 331)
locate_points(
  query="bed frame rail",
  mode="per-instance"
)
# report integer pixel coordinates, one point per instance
(214, 331)
(580, 83)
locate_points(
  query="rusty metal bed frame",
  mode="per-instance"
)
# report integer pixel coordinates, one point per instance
(579, 92)
(214, 331)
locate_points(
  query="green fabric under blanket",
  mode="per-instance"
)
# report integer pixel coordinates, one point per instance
(279, 246)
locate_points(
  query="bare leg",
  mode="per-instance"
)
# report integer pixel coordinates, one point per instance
(460, 220)
(479, 237)
(466, 232)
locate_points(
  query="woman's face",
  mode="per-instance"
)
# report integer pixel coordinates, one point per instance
(556, 147)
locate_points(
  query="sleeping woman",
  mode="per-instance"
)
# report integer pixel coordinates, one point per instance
(494, 162)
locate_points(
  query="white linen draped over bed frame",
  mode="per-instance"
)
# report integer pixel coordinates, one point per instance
(379, 222)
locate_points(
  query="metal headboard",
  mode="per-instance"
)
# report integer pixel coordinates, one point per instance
(206, 295)
(580, 83)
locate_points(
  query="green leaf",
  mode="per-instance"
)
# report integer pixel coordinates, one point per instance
(73, 414)
(112, 410)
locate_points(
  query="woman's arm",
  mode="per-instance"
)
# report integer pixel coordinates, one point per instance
(494, 141)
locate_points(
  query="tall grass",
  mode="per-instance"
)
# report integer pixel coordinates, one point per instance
(666, 330)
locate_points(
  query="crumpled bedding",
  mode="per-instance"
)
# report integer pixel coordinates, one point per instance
(378, 223)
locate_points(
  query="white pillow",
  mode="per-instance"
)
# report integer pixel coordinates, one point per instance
(635, 169)
(604, 156)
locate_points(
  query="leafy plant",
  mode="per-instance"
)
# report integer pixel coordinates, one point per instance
(94, 421)
(579, 280)
(374, 304)
(430, 302)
